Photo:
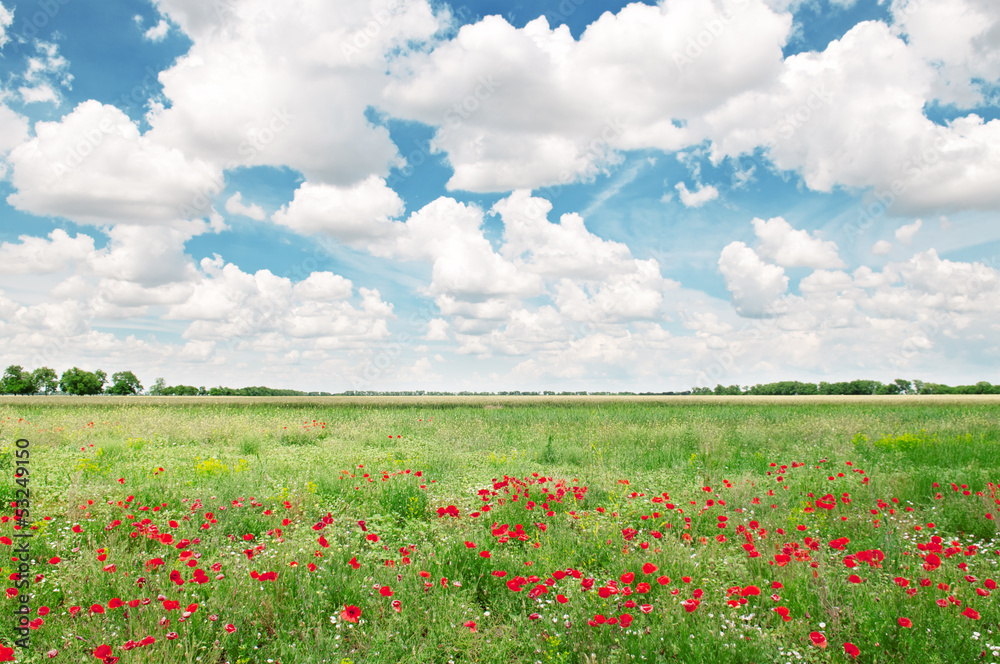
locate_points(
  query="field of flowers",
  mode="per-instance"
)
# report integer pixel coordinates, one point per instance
(595, 532)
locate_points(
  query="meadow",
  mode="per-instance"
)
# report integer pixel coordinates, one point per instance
(517, 530)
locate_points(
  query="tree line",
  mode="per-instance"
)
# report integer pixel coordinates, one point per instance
(76, 381)
(45, 380)
(848, 388)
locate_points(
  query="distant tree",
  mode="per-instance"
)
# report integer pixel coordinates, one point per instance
(905, 386)
(159, 388)
(80, 382)
(124, 383)
(202, 391)
(45, 379)
(918, 386)
(17, 381)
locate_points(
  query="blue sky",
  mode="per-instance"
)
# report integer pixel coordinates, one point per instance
(571, 195)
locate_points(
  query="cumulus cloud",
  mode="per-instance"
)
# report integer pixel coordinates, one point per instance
(516, 107)
(703, 194)
(35, 255)
(755, 285)
(360, 211)
(824, 117)
(235, 205)
(158, 32)
(882, 247)
(794, 248)
(93, 166)
(233, 102)
(905, 234)
(959, 37)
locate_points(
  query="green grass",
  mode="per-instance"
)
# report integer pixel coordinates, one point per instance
(270, 469)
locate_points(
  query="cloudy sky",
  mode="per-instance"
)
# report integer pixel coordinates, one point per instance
(501, 194)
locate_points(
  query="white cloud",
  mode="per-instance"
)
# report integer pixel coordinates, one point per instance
(286, 85)
(94, 167)
(882, 247)
(794, 248)
(824, 117)
(235, 205)
(755, 285)
(6, 19)
(158, 32)
(437, 330)
(349, 213)
(697, 198)
(959, 38)
(905, 234)
(529, 107)
(35, 255)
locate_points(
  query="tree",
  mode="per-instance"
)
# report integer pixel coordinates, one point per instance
(905, 386)
(159, 388)
(17, 381)
(45, 380)
(78, 381)
(124, 383)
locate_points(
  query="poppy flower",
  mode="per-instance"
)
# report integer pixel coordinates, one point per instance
(102, 651)
(851, 649)
(230, 628)
(905, 622)
(350, 613)
(750, 591)
(353, 562)
(385, 591)
(970, 612)
(649, 568)
(817, 639)
(690, 605)
(471, 624)
(625, 620)
(397, 606)
(783, 612)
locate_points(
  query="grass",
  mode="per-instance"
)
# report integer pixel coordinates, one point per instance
(599, 486)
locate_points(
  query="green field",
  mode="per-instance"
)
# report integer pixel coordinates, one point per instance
(552, 529)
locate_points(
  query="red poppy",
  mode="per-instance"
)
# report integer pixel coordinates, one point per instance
(818, 639)
(851, 650)
(471, 624)
(649, 568)
(971, 613)
(905, 622)
(102, 651)
(230, 628)
(690, 605)
(385, 591)
(750, 591)
(96, 608)
(350, 613)
(624, 620)
(353, 562)
(7, 654)
(397, 606)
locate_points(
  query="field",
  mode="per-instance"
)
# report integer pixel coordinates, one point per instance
(515, 530)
